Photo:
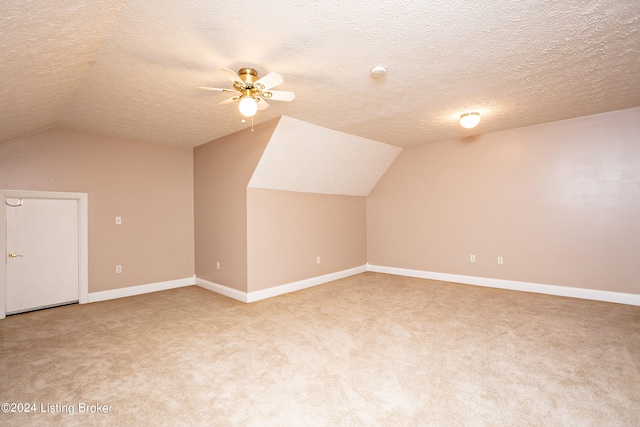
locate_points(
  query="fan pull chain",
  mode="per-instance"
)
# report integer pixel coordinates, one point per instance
(251, 124)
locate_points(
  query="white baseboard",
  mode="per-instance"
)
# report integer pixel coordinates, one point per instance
(590, 294)
(140, 289)
(303, 284)
(222, 289)
(564, 291)
(281, 289)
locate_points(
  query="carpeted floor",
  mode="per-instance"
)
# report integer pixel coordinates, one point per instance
(369, 350)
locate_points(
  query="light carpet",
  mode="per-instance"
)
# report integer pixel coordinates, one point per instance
(368, 350)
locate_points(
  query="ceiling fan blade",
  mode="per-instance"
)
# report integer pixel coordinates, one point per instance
(281, 95)
(231, 75)
(217, 89)
(229, 100)
(269, 81)
(262, 104)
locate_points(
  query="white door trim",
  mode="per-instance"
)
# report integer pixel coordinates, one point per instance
(83, 238)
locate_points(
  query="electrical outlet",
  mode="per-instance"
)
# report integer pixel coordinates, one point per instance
(318, 260)
(118, 269)
(472, 258)
(500, 260)
(218, 265)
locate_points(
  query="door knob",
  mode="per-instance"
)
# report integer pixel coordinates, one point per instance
(14, 255)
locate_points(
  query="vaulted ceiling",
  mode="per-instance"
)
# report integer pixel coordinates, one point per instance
(131, 68)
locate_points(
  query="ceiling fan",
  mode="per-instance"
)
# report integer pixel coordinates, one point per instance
(251, 91)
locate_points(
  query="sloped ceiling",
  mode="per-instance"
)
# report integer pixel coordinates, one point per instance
(311, 159)
(47, 48)
(130, 68)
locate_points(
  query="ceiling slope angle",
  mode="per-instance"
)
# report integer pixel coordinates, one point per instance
(46, 50)
(303, 157)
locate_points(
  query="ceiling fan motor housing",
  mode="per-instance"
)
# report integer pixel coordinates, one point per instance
(248, 75)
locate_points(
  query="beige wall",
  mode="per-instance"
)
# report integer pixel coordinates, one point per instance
(559, 201)
(149, 185)
(222, 170)
(287, 231)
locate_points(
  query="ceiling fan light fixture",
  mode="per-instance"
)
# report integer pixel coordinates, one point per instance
(470, 120)
(252, 92)
(248, 106)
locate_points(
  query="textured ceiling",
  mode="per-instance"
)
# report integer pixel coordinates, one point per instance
(130, 68)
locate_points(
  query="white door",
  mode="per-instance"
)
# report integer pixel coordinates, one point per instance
(42, 262)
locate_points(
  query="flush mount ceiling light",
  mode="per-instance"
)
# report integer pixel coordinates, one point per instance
(251, 91)
(470, 120)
